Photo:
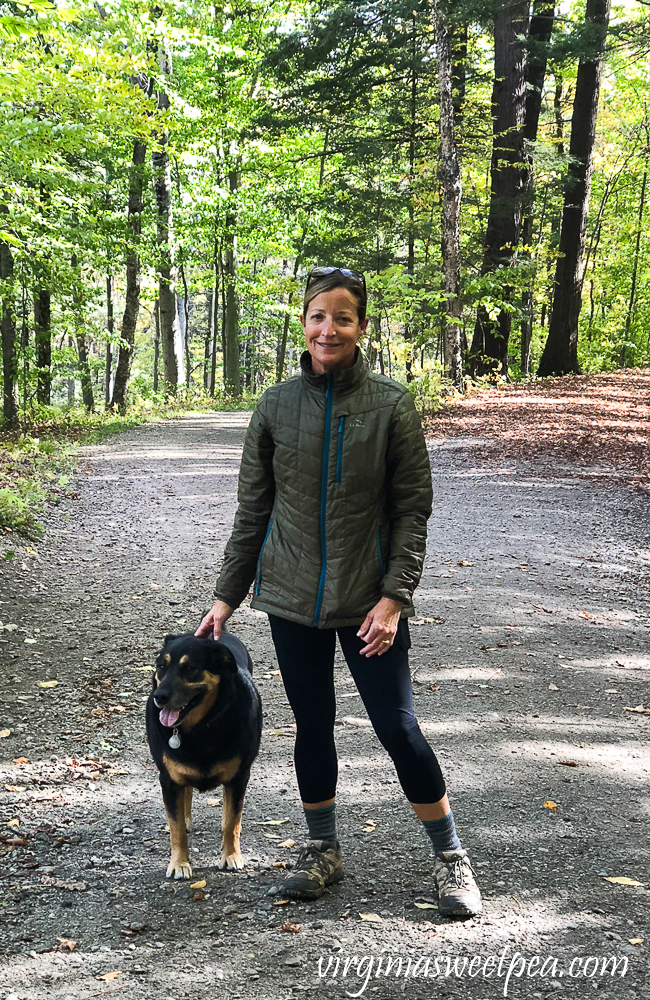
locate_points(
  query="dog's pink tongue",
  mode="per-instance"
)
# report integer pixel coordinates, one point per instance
(168, 716)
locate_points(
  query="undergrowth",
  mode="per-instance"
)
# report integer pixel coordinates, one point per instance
(37, 464)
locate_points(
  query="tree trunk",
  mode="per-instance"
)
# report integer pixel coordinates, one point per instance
(156, 345)
(451, 199)
(172, 352)
(541, 28)
(110, 328)
(635, 269)
(132, 291)
(560, 354)
(409, 332)
(8, 326)
(231, 326)
(489, 351)
(43, 342)
(80, 337)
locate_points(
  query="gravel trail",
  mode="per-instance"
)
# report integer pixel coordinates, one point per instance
(530, 649)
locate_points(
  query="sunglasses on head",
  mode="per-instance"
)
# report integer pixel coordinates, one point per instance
(321, 272)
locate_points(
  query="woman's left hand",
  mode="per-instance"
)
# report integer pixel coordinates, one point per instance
(379, 627)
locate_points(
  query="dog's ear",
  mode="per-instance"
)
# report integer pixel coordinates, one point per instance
(168, 639)
(223, 661)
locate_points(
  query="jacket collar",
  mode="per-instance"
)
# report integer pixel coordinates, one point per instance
(345, 380)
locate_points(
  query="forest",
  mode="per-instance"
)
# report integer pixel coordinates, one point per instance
(170, 172)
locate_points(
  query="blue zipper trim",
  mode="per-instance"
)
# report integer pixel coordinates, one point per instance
(258, 582)
(381, 558)
(323, 500)
(339, 450)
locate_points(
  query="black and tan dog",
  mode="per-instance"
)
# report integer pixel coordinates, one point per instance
(204, 722)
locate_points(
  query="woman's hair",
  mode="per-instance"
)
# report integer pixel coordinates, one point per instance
(336, 280)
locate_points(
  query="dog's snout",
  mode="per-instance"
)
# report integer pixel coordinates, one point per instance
(161, 698)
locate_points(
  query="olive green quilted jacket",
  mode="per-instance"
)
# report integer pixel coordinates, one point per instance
(334, 496)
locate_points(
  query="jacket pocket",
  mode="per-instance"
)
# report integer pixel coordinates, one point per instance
(339, 449)
(258, 580)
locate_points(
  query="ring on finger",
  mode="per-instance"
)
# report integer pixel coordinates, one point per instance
(385, 642)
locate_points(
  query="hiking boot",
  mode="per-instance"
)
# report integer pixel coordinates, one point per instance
(458, 893)
(319, 864)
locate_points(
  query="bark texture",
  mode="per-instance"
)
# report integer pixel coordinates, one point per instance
(541, 28)
(8, 326)
(231, 375)
(560, 354)
(170, 338)
(451, 200)
(43, 343)
(132, 291)
(489, 350)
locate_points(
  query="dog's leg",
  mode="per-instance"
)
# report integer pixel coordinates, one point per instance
(233, 803)
(174, 799)
(188, 808)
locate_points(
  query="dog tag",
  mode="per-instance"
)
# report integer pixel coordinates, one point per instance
(175, 740)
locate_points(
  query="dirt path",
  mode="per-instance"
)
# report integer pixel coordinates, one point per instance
(532, 643)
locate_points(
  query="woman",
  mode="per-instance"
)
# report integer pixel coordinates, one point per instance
(334, 496)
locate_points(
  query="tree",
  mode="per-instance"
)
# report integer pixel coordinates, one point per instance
(489, 350)
(451, 202)
(560, 354)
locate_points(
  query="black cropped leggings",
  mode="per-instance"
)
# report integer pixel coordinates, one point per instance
(306, 660)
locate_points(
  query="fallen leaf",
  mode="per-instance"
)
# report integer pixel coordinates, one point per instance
(13, 822)
(433, 687)
(281, 902)
(568, 763)
(550, 805)
(426, 906)
(271, 822)
(201, 884)
(553, 687)
(4, 733)
(30, 641)
(291, 928)
(16, 788)
(46, 684)
(635, 941)
(65, 944)
(463, 562)
(287, 843)
(372, 918)
(622, 880)
(279, 864)
(640, 709)
(109, 975)
(21, 760)
(213, 802)
(270, 836)
(611, 691)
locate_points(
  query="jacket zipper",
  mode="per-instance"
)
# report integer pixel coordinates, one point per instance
(258, 582)
(381, 558)
(323, 500)
(339, 450)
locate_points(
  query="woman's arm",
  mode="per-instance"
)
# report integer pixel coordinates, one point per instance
(256, 494)
(410, 497)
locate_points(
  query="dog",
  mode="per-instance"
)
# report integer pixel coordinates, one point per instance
(204, 725)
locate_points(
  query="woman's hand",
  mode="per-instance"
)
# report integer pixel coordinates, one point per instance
(214, 621)
(379, 627)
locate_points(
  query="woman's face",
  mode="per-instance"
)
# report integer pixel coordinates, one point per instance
(332, 330)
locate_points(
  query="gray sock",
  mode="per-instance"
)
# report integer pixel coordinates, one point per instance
(442, 833)
(321, 823)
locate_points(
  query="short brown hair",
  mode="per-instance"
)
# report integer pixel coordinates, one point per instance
(336, 280)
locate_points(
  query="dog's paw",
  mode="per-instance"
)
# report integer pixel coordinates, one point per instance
(178, 868)
(232, 861)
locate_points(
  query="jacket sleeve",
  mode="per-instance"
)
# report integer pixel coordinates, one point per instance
(256, 494)
(410, 498)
